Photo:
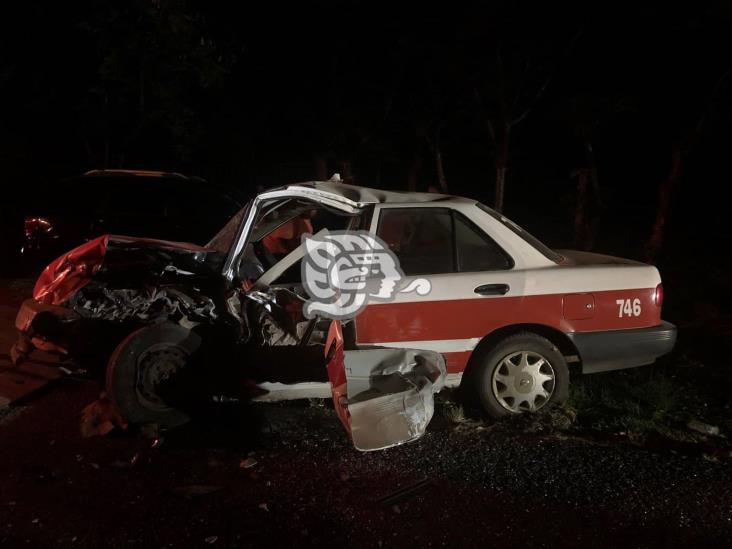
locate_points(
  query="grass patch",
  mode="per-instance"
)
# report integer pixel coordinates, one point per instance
(636, 401)
(454, 412)
(549, 420)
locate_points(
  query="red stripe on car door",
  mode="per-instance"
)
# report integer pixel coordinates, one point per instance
(473, 318)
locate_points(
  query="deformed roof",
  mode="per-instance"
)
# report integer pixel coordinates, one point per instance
(366, 195)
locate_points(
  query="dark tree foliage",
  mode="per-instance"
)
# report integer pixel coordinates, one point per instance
(594, 124)
(156, 63)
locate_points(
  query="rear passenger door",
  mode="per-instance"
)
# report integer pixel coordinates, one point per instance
(469, 272)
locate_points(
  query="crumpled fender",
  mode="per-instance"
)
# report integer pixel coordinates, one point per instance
(73, 270)
(70, 272)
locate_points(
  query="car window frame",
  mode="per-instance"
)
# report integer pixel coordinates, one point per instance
(244, 233)
(455, 259)
(358, 221)
(307, 204)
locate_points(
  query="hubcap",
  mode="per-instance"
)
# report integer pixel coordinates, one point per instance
(157, 364)
(523, 382)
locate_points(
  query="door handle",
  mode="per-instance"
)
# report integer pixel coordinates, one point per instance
(492, 289)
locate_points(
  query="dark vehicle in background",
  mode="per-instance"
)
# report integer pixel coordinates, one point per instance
(153, 204)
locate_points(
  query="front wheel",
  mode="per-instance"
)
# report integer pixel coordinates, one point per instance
(143, 365)
(523, 373)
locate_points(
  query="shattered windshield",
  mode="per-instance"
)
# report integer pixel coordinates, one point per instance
(281, 224)
(224, 239)
(275, 213)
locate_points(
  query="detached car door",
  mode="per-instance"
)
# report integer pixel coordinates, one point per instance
(471, 280)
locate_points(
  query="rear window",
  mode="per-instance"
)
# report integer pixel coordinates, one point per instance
(545, 250)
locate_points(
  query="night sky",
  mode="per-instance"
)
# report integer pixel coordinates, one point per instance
(260, 96)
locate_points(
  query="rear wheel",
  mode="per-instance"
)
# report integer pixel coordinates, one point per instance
(523, 373)
(144, 363)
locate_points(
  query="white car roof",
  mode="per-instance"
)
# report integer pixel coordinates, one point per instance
(364, 195)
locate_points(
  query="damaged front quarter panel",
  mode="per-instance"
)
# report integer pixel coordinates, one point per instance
(391, 394)
(383, 396)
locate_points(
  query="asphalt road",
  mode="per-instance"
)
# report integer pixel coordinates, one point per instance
(487, 483)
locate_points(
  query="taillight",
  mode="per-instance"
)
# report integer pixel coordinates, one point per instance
(35, 226)
(658, 296)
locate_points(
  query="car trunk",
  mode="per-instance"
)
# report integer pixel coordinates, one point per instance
(580, 258)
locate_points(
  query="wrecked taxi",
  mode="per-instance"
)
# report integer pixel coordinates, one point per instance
(472, 300)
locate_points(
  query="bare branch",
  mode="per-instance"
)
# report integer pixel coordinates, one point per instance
(486, 118)
(712, 95)
(501, 84)
(539, 94)
(533, 102)
(522, 84)
(388, 104)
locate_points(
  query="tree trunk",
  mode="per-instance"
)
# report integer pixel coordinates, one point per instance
(501, 170)
(441, 179)
(141, 91)
(320, 164)
(346, 171)
(89, 153)
(413, 176)
(106, 151)
(666, 192)
(581, 209)
(593, 202)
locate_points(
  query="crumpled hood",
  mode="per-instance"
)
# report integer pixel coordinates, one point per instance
(66, 275)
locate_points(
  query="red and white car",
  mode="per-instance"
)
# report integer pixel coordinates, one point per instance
(505, 312)
(506, 308)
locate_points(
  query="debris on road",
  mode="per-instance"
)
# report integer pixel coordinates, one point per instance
(408, 491)
(192, 491)
(100, 417)
(22, 381)
(247, 463)
(129, 464)
(703, 428)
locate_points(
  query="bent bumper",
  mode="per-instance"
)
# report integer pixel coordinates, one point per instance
(618, 349)
(31, 308)
(30, 337)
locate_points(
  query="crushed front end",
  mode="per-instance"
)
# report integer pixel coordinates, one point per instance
(86, 301)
